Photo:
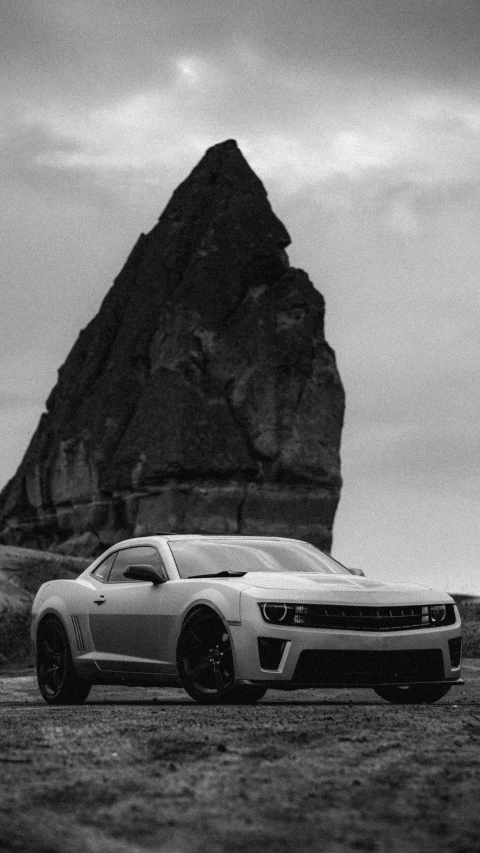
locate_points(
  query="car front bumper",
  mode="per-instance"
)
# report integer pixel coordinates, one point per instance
(317, 657)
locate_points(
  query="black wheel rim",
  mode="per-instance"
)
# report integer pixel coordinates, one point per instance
(206, 655)
(52, 662)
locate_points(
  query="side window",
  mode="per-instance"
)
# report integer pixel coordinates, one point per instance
(132, 557)
(101, 572)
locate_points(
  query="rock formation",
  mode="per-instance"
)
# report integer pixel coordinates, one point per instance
(203, 396)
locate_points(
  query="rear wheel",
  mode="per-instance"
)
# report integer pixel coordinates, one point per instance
(205, 662)
(413, 694)
(58, 682)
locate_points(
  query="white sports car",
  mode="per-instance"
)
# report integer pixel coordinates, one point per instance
(230, 616)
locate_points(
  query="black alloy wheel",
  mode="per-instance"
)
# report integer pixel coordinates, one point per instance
(58, 682)
(205, 662)
(413, 694)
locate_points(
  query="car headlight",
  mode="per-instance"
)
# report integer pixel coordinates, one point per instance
(437, 613)
(276, 613)
(286, 614)
(433, 614)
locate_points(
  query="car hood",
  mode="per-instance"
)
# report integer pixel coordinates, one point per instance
(342, 589)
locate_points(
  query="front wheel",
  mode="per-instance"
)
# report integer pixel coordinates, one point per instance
(58, 682)
(413, 694)
(205, 662)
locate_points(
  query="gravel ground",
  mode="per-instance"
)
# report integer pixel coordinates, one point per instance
(137, 770)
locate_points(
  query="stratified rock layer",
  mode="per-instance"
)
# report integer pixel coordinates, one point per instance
(203, 396)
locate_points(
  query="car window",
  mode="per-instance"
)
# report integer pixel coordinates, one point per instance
(197, 557)
(132, 557)
(102, 570)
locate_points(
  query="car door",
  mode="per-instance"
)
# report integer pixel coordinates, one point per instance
(125, 617)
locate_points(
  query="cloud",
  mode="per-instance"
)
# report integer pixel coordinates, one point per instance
(313, 91)
(429, 455)
(100, 48)
(88, 50)
(22, 373)
(363, 120)
(301, 128)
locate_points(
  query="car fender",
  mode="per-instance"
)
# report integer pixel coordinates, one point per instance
(226, 603)
(54, 606)
(57, 598)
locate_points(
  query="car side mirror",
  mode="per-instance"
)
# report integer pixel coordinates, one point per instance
(358, 572)
(143, 572)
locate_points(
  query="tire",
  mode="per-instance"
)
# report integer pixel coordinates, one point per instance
(205, 662)
(57, 680)
(413, 694)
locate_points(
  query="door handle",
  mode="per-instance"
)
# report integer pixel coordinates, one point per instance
(100, 599)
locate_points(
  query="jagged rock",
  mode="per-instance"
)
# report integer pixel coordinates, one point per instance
(203, 396)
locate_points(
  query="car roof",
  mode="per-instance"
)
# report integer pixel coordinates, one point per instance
(220, 536)
(216, 537)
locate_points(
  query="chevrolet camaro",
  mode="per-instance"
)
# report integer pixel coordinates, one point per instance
(229, 617)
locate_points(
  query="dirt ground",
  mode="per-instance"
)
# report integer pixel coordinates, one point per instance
(137, 770)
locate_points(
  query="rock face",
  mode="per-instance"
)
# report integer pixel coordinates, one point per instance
(203, 396)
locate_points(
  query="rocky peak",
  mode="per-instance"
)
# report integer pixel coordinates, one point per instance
(202, 397)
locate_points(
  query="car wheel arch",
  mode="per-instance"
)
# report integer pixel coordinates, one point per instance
(52, 616)
(203, 607)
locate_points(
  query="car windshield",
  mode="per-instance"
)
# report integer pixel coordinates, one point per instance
(196, 557)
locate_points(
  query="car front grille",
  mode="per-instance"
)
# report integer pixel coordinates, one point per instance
(358, 618)
(357, 668)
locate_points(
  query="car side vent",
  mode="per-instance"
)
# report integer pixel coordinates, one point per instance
(78, 634)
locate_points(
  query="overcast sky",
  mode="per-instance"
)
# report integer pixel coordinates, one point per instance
(362, 119)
